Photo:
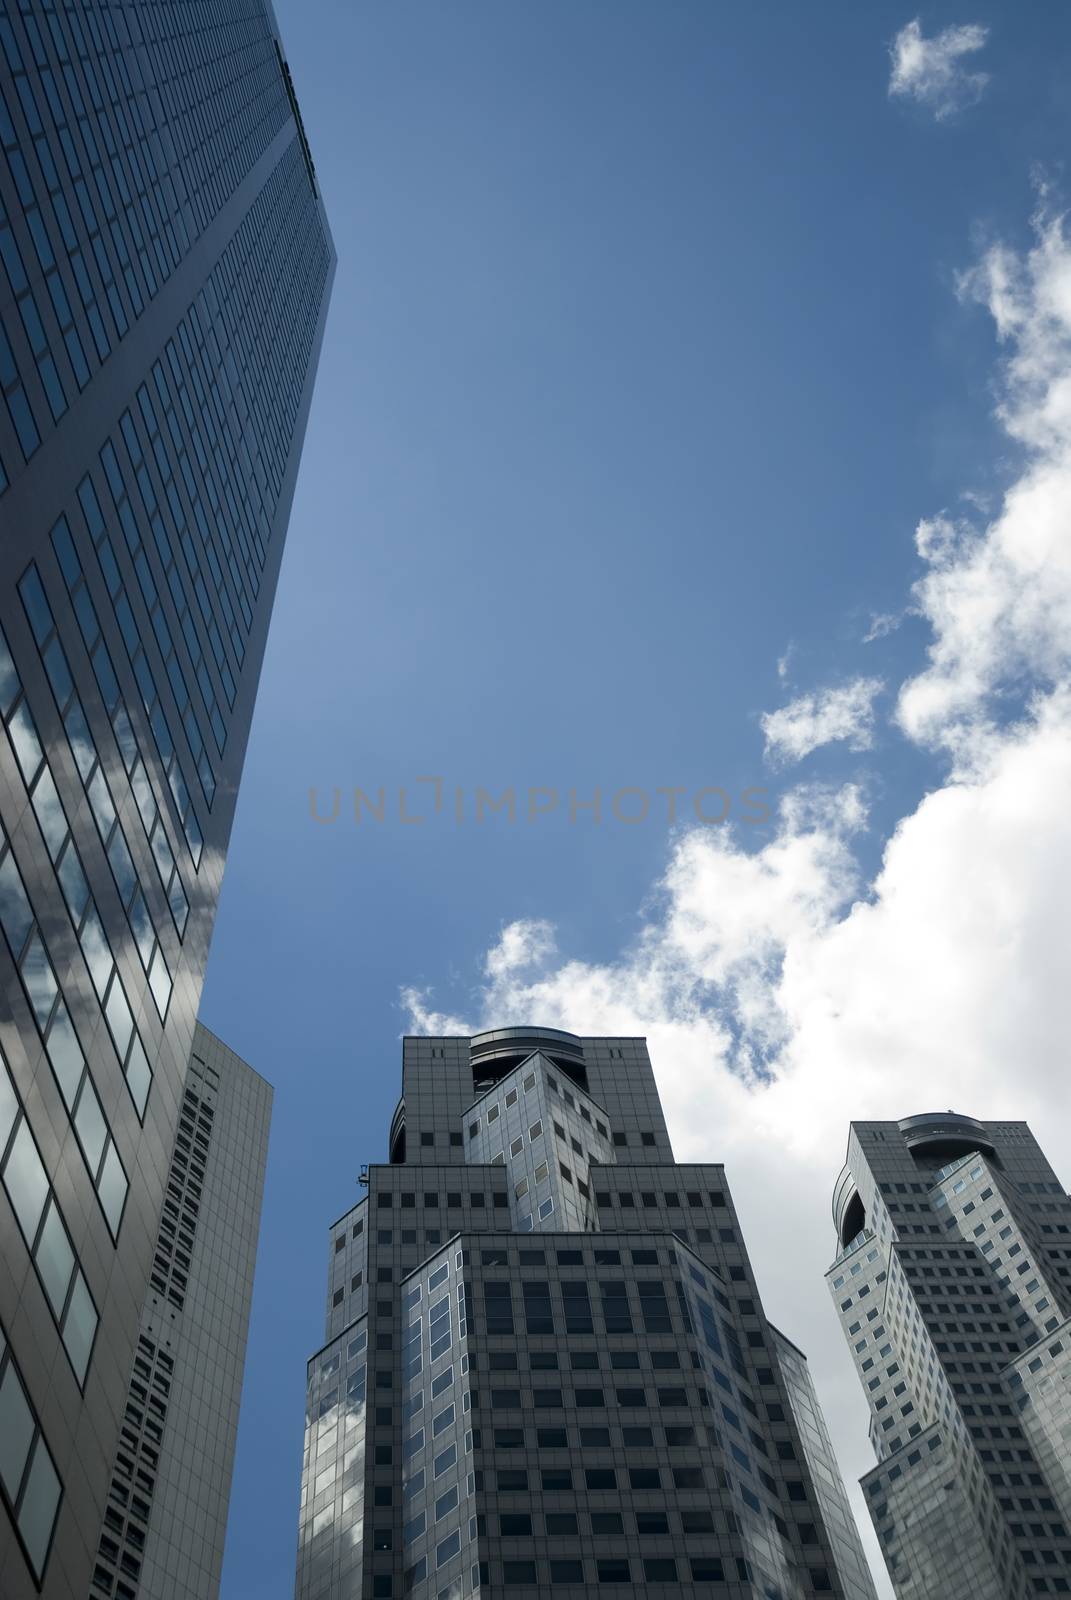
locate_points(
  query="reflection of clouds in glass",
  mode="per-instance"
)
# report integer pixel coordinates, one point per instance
(81, 742)
(333, 1480)
(23, 736)
(97, 951)
(49, 813)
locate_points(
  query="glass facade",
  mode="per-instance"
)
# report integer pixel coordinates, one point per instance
(953, 1287)
(165, 269)
(547, 1363)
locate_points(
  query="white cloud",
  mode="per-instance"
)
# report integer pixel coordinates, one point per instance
(882, 623)
(998, 596)
(932, 71)
(781, 993)
(845, 713)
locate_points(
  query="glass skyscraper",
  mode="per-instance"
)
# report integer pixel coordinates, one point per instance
(165, 267)
(547, 1366)
(953, 1285)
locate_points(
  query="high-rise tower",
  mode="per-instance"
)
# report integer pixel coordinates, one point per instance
(166, 1518)
(953, 1285)
(547, 1364)
(165, 266)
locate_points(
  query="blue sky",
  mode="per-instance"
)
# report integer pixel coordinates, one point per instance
(645, 359)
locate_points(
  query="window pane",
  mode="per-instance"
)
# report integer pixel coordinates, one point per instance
(25, 1180)
(80, 1327)
(40, 1503)
(73, 883)
(23, 736)
(97, 952)
(55, 1258)
(49, 811)
(39, 980)
(15, 913)
(112, 1188)
(138, 1076)
(9, 1110)
(65, 1054)
(120, 1021)
(16, 1431)
(90, 1126)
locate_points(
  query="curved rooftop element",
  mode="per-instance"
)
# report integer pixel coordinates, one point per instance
(942, 1135)
(849, 1213)
(396, 1142)
(514, 1040)
(498, 1051)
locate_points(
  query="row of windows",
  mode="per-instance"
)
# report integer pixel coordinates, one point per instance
(265, 293)
(583, 1398)
(584, 1360)
(189, 716)
(87, 756)
(64, 1053)
(30, 955)
(28, 1478)
(212, 569)
(615, 1570)
(22, 415)
(670, 1198)
(85, 611)
(102, 806)
(454, 1199)
(493, 1111)
(539, 1311)
(155, 226)
(82, 909)
(37, 1211)
(519, 1524)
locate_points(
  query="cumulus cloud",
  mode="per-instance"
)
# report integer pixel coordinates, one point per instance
(783, 992)
(844, 713)
(933, 71)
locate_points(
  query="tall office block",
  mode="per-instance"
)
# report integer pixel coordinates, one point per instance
(547, 1366)
(164, 273)
(953, 1285)
(165, 1521)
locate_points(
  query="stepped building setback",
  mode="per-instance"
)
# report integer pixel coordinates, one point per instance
(547, 1368)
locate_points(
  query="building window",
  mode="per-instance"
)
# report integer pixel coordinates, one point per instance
(566, 1571)
(613, 1569)
(31, 1486)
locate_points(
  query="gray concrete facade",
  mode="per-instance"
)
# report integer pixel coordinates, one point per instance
(953, 1287)
(166, 1517)
(547, 1367)
(165, 267)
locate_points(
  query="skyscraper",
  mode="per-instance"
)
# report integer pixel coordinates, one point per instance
(953, 1285)
(165, 1521)
(547, 1363)
(165, 267)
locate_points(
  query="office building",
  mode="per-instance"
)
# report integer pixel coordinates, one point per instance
(165, 267)
(547, 1366)
(953, 1286)
(166, 1517)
